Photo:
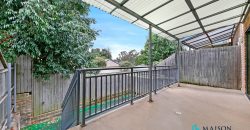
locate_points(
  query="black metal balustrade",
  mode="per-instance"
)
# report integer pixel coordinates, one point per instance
(93, 92)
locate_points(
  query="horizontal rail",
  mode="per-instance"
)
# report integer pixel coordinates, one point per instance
(113, 68)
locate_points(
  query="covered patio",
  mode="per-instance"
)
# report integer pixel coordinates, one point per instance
(196, 24)
(180, 108)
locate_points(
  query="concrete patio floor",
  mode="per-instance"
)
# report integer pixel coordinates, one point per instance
(178, 108)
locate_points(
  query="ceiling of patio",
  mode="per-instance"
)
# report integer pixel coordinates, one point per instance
(196, 23)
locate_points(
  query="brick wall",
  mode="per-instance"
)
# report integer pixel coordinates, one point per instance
(246, 26)
(240, 39)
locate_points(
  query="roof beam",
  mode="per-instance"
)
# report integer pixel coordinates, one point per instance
(208, 3)
(116, 4)
(190, 5)
(217, 13)
(122, 3)
(151, 11)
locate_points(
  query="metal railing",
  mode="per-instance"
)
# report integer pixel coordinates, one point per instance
(7, 95)
(91, 93)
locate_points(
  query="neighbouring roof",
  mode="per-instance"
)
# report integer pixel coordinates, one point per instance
(196, 23)
(110, 64)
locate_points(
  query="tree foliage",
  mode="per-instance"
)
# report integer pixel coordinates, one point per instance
(126, 64)
(102, 53)
(125, 57)
(99, 62)
(55, 33)
(162, 48)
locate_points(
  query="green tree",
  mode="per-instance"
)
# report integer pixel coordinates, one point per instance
(125, 56)
(99, 62)
(126, 64)
(102, 53)
(162, 48)
(55, 33)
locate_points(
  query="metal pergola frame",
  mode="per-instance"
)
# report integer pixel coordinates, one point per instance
(192, 10)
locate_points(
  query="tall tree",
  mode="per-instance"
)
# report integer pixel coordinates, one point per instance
(162, 48)
(55, 33)
(129, 56)
(102, 53)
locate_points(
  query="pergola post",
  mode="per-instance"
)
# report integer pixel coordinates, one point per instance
(150, 65)
(178, 63)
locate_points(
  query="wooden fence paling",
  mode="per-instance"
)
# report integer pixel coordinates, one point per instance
(217, 67)
(24, 74)
(48, 95)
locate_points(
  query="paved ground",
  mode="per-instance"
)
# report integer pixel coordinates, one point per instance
(178, 108)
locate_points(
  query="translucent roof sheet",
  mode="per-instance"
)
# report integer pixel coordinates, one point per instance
(178, 19)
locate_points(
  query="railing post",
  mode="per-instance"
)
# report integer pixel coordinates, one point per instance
(9, 96)
(78, 97)
(150, 64)
(14, 87)
(132, 86)
(155, 88)
(83, 97)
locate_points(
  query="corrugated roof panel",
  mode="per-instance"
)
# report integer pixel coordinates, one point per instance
(218, 6)
(123, 15)
(223, 33)
(220, 30)
(141, 24)
(197, 3)
(178, 21)
(229, 22)
(222, 16)
(143, 6)
(156, 31)
(119, 1)
(101, 4)
(189, 33)
(200, 41)
(170, 10)
(185, 28)
(196, 38)
(166, 36)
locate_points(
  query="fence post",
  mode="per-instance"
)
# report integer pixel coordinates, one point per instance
(78, 97)
(14, 87)
(83, 97)
(132, 86)
(155, 88)
(9, 96)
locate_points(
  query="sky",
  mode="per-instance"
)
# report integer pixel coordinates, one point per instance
(116, 34)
